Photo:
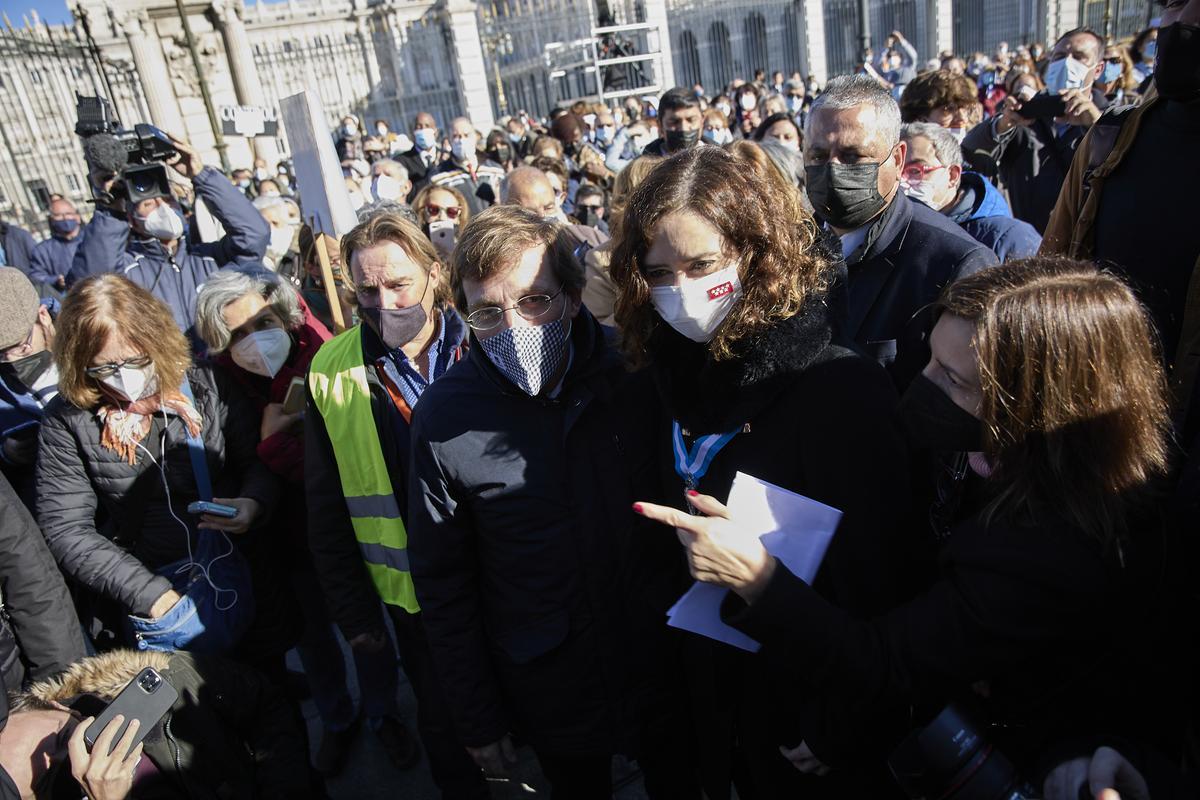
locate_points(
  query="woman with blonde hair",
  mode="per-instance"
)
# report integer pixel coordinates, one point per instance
(599, 294)
(1044, 375)
(441, 204)
(723, 301)
(136, 433)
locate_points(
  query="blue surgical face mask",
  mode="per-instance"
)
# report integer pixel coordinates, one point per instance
(515, 138)
(1065, 73)
(64, 227)
(1111, 73)
(1150, 50)
(425, 138)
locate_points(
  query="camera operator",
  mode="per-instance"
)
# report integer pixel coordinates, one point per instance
(146, 240)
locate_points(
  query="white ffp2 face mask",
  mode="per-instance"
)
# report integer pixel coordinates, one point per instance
(263, 352)
(133, 383)
(697, 308)
(163, 223)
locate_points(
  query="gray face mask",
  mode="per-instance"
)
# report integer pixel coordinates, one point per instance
(846, 195)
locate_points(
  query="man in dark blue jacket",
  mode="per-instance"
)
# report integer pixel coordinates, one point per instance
(521, 540)
(933, 174)
(51, 259)
(16, 246)
(28, 376)
(148, 242)
(899, 254)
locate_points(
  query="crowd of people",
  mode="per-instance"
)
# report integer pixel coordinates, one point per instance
(958, 301)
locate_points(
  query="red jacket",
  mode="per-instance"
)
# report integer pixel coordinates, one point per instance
(282, 452)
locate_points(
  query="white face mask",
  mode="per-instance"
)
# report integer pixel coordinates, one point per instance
(1066, 73)
(263, 352)
(790, 144)
(749, 102)
(132, 383)
(381, 130)
(281, 242)
(163, 223)
(697, 308)
(463, 149)
(958, 133)
(920, 190)
(385, 187)
(724, 108)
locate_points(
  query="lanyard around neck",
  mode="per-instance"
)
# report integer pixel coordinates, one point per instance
(692, 464)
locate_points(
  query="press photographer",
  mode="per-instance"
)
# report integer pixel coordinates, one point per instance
(139, 229)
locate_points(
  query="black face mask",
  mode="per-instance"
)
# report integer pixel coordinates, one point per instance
(680, 140)
(1177, 71)
(847, 195)
(502, 155)
(934, 421)
(397, 327)
(27, 370)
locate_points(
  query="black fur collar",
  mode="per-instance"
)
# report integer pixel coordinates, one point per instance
(707, 396)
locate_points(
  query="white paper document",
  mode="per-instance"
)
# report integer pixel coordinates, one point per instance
(793, 528)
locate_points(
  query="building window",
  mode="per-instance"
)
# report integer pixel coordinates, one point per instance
(791, 42)
(72, 182)
(40, 192)
(720, 54)
(754, 43)
(689, 60)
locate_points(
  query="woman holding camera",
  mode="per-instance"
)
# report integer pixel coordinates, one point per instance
(121, 439)
(723, 300)
(1045, 373)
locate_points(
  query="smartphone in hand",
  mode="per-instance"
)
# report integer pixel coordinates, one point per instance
(1043, 105)
(147, 698)
(216, 509)
(293, 401)
(443, 233)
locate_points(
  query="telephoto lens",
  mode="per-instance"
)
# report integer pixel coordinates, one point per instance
(949, 759)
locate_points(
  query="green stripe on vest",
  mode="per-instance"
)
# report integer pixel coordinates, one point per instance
(338, 382)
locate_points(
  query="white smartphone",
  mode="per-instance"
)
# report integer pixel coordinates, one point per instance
(443, 233)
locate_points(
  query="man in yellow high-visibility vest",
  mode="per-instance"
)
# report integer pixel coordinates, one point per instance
(362, 387)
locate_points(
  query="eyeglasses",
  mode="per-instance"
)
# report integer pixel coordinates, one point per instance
(111, 368)
(432, 209)
(530, 307)
(18, 351)
(917, 172)
(1113, 60)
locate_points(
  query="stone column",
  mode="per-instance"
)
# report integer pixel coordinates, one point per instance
(812, 15)
(151, 67)
(246, 83)
(941, 28)
(656, 14)
(469, 69)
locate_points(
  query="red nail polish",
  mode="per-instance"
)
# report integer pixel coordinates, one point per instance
(693, 493)
(637, 508)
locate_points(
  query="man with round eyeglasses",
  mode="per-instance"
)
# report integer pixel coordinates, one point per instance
(529, 572)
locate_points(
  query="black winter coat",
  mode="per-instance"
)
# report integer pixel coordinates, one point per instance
(35, 599)
(77, 477)
(1031, 619)
(524, 555)
(909, 255)
(822, 425)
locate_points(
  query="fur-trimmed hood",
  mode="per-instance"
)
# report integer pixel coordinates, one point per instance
(104, 675)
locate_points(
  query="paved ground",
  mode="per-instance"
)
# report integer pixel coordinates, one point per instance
(368, 775)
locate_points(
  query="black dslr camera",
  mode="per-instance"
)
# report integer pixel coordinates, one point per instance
(137, 155)
(949, 759)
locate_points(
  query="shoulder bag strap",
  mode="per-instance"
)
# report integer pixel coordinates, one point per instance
(196, 449)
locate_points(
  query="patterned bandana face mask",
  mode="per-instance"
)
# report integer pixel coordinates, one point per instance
(528, 356)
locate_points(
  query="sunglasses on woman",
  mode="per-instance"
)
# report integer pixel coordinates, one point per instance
(432, 209)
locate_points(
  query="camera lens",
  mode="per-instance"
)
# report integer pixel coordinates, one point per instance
(150, 682)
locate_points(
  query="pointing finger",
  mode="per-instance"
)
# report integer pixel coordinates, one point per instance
(707, 505)
(668, 516)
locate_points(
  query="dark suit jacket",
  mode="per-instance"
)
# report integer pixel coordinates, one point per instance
(910, 254)
(418, 173)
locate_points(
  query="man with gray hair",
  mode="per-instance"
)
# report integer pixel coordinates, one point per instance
(899, 253)
(934, 175)
(389, 181)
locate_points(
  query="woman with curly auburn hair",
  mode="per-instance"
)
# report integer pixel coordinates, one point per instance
(724, 302)
(117, 439)
(1051, 613)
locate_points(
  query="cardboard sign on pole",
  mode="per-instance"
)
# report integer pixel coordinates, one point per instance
(322, 188)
